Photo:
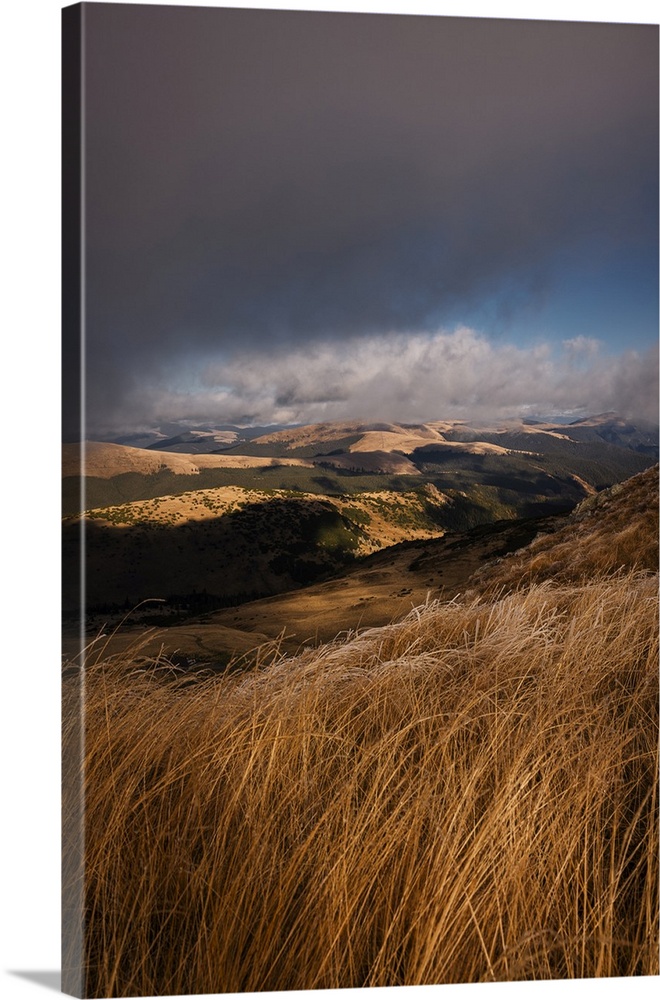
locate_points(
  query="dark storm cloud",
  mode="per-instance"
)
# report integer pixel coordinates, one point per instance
(261, 179)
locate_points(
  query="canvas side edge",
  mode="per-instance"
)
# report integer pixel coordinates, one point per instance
(73, 929)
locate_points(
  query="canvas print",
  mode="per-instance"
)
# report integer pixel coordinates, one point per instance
(360, 500)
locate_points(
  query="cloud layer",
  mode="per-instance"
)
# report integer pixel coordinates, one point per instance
(409, 377)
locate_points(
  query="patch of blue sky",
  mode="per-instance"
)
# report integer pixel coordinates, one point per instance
(611, 297)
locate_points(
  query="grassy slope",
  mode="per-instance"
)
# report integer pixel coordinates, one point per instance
(374, 591)
(238, 545)
(465, 796)
(130, 487)
(616, 529)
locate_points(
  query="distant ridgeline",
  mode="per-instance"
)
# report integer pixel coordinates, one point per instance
(239, 516)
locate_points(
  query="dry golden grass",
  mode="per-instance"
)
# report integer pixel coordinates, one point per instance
(468, 795)
(609, 532)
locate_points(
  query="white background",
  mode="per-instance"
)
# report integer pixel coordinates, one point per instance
(30, 473)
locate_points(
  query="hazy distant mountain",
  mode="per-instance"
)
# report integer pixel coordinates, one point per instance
(199, 439)
(197, 442)
(507, 435)
(368, 437)
(639, 435)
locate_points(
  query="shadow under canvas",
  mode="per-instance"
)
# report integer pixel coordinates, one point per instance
(49, 979)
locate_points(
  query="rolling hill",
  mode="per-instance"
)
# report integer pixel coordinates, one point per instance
(105, 460)
(205, 532)
(233, 544)
(520, 468)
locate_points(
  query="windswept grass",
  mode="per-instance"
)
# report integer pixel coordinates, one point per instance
(469, 795)
(613, 531)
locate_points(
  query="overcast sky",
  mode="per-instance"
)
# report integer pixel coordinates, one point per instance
(305, 216)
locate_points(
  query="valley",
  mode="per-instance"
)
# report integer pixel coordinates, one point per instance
(315, 531)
